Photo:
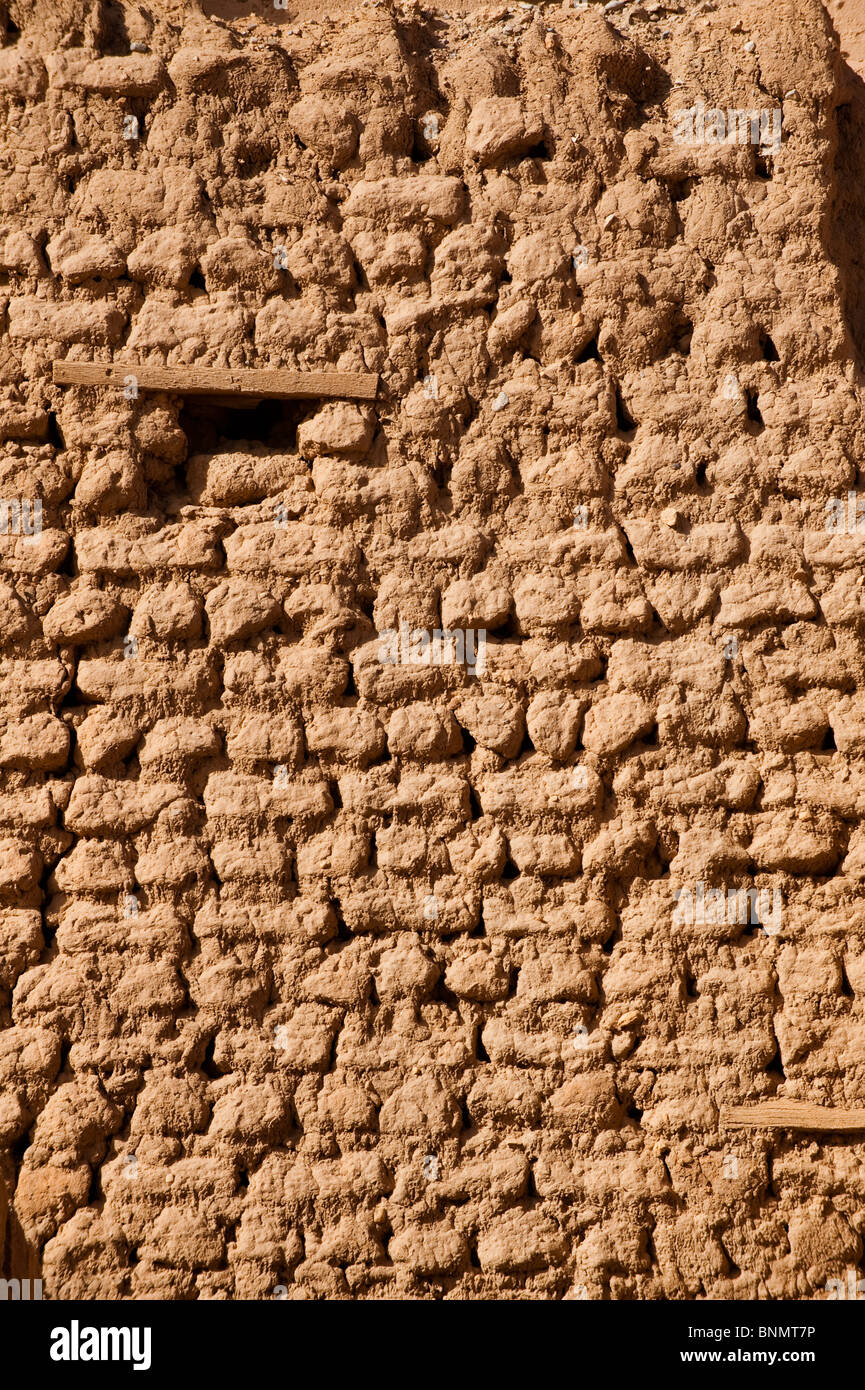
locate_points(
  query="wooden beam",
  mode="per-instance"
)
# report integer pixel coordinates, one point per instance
(220, 381)
(793, 1114)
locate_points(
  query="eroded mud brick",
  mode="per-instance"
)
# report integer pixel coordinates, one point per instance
(432, 823)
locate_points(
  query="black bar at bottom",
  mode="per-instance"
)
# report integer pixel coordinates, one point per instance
(274, 1339)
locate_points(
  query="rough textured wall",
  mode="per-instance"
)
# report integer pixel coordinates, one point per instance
(328, 975)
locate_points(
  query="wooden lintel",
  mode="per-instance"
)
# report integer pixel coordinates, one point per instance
(793, 1114)
(220, 381)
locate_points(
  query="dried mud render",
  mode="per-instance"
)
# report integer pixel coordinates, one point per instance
(286, 1071)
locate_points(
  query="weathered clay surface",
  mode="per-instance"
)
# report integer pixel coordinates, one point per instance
(324, 977)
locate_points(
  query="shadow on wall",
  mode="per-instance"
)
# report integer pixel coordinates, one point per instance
(847, 228)
(284, 13)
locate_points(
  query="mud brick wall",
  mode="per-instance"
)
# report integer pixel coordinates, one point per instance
(327, 976)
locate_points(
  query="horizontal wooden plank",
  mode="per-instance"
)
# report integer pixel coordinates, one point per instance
(220, 381)
(793, 1114)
